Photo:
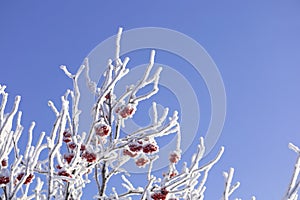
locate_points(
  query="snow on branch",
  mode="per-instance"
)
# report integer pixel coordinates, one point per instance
(229, 189)
(292, 191)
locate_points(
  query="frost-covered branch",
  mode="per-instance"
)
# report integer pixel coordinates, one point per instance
(229, 189)
(292, 191)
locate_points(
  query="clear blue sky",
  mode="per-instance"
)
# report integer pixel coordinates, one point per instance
(255, 45)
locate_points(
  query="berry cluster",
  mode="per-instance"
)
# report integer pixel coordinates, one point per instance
(147, 148)
(4, 176)
(174, 157)
(126, 152)
(126, 111)
(161, 195)
(67, 136)
(138, 146)
(135, 147)
(64, 173)
(140, 162)
(28, 178)
(69, 157)
(72, 145)
(4, 180)
(90, 157)
(102, 130)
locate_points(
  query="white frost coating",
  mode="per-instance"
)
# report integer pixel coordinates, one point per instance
(91, 84)
(292, 191)
(229, 189)
(51, 105)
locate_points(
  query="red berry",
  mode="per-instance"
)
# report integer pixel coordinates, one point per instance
(174, 157)
(29, 179)
(72, 145)
(129, 153)
(68, 157)
(126, 111)
(20, 176)
(135, 147)
(90, 157)
(102, 130)
(4, 180)
(82, 147)
(164, 191)
(172, 174)
(67, 134)
(140, 142)
(64, 173)
(149, 148)
(107, 96)
(67, 140)
(162, 195)
(141, 162)
(4, 163)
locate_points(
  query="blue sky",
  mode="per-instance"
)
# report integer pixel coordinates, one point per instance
(255, 45)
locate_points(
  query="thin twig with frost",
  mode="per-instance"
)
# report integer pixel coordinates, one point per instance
(292, 191)
(229, 189)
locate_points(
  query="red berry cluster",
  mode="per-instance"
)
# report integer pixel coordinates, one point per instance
(162, 195)
(68, 157)
(64, 173)
(102, 130)
(90, 157)
(4, 180)
(135, 147)
(126, 152)
(126, 111)
(28, 178)
(174, 157)
(147, 148)
(67, 136)
(141, 162)
(72, 145)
